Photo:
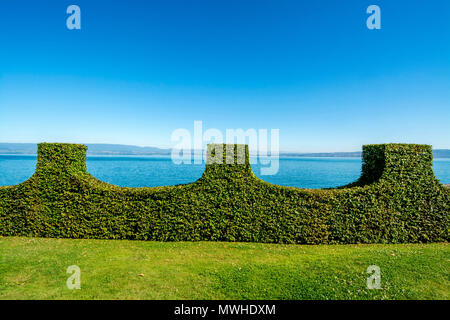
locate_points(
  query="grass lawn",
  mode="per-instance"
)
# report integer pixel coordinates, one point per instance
(35, 268)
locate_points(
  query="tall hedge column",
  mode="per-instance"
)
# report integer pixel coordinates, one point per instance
(227, 161)
(61, 159)
(397, 163)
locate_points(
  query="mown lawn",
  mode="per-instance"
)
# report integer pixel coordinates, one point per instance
(34, 268)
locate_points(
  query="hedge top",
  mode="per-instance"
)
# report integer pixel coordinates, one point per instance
(397, 199)
(379, 161)
(55, 157)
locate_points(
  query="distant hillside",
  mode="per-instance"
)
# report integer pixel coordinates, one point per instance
(93, 149)
(437, 153)
(356, 154)
(441, 153)
(121, 149)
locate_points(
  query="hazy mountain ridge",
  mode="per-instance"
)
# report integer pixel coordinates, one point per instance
(355, 154)
(121, 149)
(93, 149)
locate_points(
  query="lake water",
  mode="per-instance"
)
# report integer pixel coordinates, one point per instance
(151, 171)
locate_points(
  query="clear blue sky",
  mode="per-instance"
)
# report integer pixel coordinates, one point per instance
(137, 70)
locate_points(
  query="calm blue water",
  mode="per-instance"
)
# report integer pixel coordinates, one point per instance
(150, 171)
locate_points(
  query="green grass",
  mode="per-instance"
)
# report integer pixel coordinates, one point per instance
(35, 268)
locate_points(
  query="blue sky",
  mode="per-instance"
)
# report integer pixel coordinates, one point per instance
(138, 70)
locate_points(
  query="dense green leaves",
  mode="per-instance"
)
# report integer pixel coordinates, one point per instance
(396, 200)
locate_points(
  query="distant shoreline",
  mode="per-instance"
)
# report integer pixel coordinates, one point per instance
(129, 150)
(167, 156)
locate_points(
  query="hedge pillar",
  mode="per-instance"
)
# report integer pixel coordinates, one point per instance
(61, 159)
(397, 162)
(227, 161)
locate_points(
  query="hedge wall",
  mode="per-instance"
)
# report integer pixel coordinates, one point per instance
(396, 200)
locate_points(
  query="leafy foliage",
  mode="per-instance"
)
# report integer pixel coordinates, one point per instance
(396, 200)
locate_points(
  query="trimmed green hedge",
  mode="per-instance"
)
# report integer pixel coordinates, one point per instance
(396, 200)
